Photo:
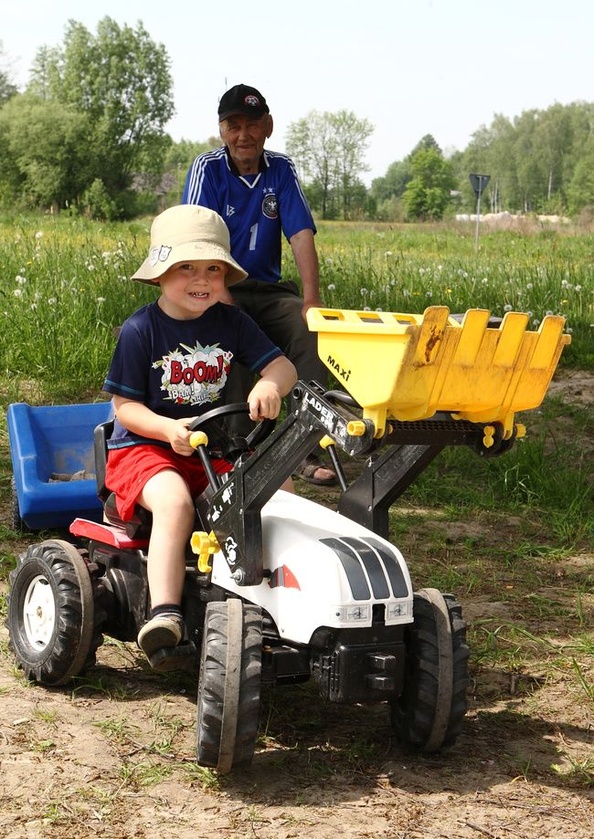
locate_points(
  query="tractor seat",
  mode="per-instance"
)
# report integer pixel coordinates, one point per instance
(139, 526)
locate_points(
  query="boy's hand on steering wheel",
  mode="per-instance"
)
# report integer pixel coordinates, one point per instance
(264, 401)
(178, 436)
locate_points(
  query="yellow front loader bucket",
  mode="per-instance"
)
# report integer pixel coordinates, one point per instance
(408, 367)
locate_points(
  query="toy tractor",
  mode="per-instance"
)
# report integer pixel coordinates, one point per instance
(280, 589)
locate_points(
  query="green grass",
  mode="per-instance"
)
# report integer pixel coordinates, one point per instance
(64, 287)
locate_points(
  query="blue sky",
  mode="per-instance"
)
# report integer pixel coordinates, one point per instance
(410, 67)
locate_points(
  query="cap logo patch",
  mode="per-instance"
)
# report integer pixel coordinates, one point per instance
(159, 254)
(252, 101)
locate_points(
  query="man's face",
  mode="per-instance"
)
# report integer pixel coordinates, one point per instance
(245, 137)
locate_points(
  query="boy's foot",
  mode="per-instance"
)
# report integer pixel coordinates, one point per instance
(159, 633)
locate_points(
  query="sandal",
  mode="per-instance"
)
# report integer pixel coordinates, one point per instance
(307, 472)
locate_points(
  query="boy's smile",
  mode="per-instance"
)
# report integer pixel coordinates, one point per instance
(188, 289)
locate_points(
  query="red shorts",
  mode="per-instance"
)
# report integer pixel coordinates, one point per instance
(130, 468)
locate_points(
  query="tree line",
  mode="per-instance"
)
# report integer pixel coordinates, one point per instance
(87, 135)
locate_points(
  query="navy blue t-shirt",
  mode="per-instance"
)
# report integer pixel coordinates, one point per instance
(179, 368)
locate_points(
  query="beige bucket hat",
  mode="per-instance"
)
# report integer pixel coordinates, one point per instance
(183, 233)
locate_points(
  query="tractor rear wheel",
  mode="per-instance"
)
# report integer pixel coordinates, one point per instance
(51, 613)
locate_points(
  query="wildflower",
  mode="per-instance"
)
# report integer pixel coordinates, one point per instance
(529, 286)
(52, 301)
(578, 288)
(100, 300)
(331, 287)
(428, 294)
(20, 279)
(507, 307)
(388, 253)
(18, 292)
(39, 234)
(364, 291)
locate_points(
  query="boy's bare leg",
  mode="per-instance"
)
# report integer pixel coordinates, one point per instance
(167, 496)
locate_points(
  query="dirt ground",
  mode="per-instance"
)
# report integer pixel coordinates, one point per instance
(113, 755)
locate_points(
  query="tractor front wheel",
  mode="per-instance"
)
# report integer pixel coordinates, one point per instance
(428, 715)
(228, 707)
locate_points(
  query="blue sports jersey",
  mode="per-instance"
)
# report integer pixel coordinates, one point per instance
(256, 208)
(179, 368)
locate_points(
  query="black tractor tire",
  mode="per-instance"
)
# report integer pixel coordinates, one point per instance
(228, 707)
(428, 715)
(51, 616)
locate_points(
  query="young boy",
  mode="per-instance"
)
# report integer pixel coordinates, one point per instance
(171, 363)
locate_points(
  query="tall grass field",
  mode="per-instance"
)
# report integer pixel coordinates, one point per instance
(65, 288)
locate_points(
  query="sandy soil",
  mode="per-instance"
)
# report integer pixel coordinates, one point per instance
(113, 755)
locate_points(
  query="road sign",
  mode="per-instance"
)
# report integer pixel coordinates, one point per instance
(479, 182)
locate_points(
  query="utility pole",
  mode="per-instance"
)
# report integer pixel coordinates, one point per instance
(478, 182)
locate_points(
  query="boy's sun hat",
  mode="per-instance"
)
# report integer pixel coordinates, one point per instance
(183, 233)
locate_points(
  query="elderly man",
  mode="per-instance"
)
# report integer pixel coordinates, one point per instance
(258, 193)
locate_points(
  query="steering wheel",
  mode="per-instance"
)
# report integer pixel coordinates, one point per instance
(231, 447)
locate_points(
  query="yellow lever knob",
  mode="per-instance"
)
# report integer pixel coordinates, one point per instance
(204, 544)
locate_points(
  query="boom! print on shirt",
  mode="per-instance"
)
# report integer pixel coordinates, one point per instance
(194, 375)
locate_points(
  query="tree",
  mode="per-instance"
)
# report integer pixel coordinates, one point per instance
(121, 81)
(580, 190)
(7, 88)
(428, 192)
(43, 161)
(328, 150)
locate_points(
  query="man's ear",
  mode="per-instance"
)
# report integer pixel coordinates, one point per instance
(270, 126)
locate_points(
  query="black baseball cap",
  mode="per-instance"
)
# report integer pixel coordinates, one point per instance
(242, 99)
